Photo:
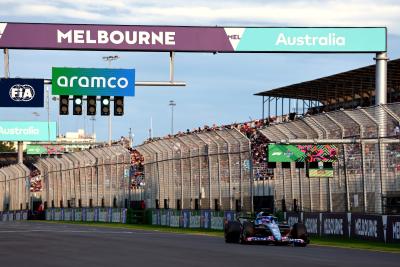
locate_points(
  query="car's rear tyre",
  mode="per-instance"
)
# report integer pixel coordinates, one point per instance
(299, 231)
(232, 232)
(248, 231)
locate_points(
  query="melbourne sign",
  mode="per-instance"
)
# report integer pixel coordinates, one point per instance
(393, 229)
(368, 227)
(27, 131)
(26, 93)
(312, 222)
(93, 82)
(335, 224)
(191, 39)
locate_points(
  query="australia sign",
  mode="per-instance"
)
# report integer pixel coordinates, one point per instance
(27, 131)
(93, 82)
(21, 92)
(192, 39)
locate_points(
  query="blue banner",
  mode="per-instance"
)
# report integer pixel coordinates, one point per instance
(22, 93)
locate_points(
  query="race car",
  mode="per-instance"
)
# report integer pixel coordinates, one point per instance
(265, 229)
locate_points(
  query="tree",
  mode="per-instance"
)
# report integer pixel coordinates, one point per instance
(7, 147)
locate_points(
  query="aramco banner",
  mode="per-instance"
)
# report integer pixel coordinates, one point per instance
(192, 39)
(21, 93)
(302, 153)
(93, 82)
(27, 131)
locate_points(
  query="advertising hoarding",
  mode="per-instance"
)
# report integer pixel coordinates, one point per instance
(27, 131)
(335, 224)
(35, 149)
(93, 82)
(21, 93)
(192, 39)
(302, 153)
(367, 227)
(323, 172)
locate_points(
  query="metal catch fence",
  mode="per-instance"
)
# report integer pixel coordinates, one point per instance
(207, 170)
(366, 174)
(98, 177)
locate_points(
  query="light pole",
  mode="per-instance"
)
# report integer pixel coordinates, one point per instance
(172, 104)
(58, 119)
(92, 118)
(48, 112)
(109, 59)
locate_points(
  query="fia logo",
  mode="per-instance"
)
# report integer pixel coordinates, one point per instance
(23, 93)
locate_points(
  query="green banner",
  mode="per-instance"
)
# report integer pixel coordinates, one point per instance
(302, 153)
(316, 173)
(93, 82)
(36, 149)
(284, 153)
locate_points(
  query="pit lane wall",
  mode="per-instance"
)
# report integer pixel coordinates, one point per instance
(109, 215)
(383, 228)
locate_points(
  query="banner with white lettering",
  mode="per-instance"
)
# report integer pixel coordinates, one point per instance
(312, 222)
(393, 229)
(21, 93)
(292, 218)
(205, 220)
(185, 219)
(192, 39)
(335, 224)
(367, 227)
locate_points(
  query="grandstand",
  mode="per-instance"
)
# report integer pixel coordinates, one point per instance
(203, 169)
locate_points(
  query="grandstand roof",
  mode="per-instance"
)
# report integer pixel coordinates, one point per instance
(342, 86)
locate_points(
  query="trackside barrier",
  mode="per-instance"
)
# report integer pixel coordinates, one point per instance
(208, 170)
(204, 219)
(16, 215)
(110, 215)
(384, 228)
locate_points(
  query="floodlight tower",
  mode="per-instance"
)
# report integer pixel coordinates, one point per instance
(172, 104)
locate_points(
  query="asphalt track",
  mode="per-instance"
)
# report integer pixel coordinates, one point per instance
(37, 244)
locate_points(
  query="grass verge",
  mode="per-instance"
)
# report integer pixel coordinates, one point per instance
(318, 241)
(355, 244)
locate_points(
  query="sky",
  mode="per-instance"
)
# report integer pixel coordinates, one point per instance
(219, 87)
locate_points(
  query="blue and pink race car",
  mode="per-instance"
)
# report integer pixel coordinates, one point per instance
(265, 229)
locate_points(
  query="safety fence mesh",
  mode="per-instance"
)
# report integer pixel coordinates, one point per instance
(207, 170)
(97, 177)
(367, 171)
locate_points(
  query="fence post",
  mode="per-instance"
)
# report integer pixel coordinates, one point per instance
(209, 177)
(363, 177)
(291, 184)
(382, 160)
(330, 194)
(300, 189)
(309, 191)
(181, 167)
(346, 180)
